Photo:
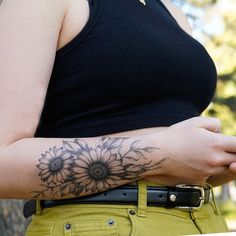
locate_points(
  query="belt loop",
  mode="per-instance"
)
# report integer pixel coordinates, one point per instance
(216, 210)
(142, 198)
(38, 207)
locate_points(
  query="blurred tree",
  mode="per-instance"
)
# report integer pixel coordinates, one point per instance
(222, 47)
(202, 3)
(12, 222)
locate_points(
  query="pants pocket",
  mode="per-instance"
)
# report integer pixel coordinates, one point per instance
(88, 228)
(39, 230)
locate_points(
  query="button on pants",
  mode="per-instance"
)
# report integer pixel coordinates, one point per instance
(125, 220)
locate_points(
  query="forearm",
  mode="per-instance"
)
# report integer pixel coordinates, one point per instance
(46, 168)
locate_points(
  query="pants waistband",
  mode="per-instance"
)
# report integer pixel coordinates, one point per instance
(184, 197)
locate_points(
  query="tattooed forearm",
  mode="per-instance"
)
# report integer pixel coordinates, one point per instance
(77, 169)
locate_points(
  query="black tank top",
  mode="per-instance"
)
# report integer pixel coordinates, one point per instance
(131, 67)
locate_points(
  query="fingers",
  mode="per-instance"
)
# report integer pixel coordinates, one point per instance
(228, 143)
(229, 158)
(211, 124)
(221, 158)
(232, 167)
(220, 170)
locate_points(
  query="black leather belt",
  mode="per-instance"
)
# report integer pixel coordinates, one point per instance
(188, 197)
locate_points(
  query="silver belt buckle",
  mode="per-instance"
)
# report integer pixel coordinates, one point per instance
(201, 198)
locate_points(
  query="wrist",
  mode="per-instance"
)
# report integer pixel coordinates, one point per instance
(156, 156)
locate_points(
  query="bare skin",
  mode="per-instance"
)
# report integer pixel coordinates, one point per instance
(52, 167)
(74, 21)
(78, 13)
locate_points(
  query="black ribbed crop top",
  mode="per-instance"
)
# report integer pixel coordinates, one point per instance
(131, 67)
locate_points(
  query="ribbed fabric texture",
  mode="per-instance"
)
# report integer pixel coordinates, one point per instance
(131, 67)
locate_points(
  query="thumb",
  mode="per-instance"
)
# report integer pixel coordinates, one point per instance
(210, 124)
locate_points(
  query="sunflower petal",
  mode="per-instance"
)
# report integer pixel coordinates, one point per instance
(50, 179)
(44, 160)
(100, 186)
(42, 166)
(58, 152)
(71, 146)
(114, 163)
(93, 155)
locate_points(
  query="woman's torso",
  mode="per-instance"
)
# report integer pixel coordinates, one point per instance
(76, 18)
(123, 66)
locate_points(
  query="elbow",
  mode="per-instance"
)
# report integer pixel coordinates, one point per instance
(10, 137)
(8, 142)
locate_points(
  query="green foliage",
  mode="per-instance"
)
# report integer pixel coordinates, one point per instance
(222, 48)
(228, 210)
(226, 116)
(201, 3)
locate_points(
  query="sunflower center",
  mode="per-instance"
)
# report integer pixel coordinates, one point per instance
(56, 164)
(98, 171)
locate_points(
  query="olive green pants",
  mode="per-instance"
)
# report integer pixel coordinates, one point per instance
(125, 220)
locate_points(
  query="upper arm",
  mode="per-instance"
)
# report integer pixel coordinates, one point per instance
(29, 32)
(178, 15)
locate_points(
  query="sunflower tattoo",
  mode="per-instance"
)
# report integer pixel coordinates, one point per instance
(77, 168)
(55, 166)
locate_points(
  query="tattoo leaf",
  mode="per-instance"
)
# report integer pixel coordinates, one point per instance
(71, 146)
(150, 149)
(112, 143)
(82, 144)
(134, 144)
(77, 169)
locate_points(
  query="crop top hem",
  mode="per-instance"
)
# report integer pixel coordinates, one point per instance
(123, 71)
(98, 129)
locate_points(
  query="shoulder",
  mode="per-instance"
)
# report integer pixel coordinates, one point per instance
(51, 9)
(33, 10)
(178, 14)
(29, 32)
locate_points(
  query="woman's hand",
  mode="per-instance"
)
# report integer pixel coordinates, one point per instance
(194, 151)
(220, 179)
(232, 167)
(223, 178)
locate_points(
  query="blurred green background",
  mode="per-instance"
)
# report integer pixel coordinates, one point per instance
(214, 24)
